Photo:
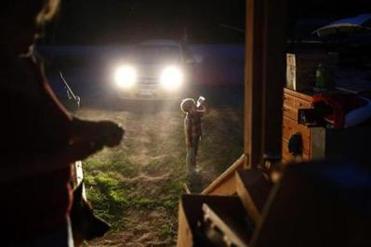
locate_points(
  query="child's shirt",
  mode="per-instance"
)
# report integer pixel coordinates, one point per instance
(193, 125)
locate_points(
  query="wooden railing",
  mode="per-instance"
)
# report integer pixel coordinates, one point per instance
(225, 184)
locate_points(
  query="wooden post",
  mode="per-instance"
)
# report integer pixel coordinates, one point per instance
(253, 81)
(264, 77)
(274, 74)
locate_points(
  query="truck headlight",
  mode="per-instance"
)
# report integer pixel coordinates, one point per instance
(171, 78)
(125, 76)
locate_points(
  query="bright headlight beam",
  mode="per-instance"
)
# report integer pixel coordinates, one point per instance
(171, 78)
(125, 76)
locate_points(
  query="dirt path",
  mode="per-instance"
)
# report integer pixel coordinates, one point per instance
(136, 186)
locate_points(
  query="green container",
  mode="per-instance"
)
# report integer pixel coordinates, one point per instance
(324, 79)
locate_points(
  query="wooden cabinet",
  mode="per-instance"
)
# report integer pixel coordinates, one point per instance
(292, 102)
(318, 143)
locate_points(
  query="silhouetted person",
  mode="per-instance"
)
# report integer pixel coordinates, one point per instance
(192, 129)
(40, 140)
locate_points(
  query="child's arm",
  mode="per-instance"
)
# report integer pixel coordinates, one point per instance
(202, 109)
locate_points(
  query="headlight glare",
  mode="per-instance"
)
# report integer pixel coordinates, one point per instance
(171, 78)
(125, 76)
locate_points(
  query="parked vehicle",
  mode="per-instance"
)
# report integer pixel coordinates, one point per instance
(154, 69)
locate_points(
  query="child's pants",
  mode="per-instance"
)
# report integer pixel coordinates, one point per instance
(191, 157)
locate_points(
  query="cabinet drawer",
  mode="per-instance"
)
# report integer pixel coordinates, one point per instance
(291, 106)
(300, 103)
(296, 102)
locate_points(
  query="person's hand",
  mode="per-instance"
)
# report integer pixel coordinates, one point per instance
(82, 150)
(90, 137)
(110, 133)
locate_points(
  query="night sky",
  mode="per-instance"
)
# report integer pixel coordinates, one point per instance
(115, 21)
(90, 22)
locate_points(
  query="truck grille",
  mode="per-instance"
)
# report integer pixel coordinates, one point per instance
(148, 80)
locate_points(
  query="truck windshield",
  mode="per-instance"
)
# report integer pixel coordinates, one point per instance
(156, 54)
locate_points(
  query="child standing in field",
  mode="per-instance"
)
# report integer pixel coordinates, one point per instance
(192, 129)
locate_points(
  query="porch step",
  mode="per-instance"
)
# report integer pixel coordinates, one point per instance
(253, 188)
(213, 221)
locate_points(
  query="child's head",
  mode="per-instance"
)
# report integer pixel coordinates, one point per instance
(21, 22)
(187, 105)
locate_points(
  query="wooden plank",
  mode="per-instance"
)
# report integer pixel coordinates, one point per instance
(305, 96)
(225, 183)
(185, 237)
(253, 189)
